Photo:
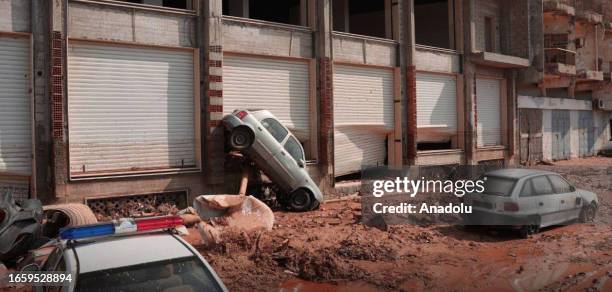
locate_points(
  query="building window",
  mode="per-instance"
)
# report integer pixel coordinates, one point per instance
(179, 4)
(489, 25)
(365, 17)
(282, 11)
(434, 23)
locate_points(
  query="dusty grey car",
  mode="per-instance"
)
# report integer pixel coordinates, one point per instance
(529, 200)
(277, 152)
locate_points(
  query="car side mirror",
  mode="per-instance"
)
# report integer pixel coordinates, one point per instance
(301, 163)
(572, 188)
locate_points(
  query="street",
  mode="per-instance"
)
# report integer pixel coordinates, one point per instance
(330, 246)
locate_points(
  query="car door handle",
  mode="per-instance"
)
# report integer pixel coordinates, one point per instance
(541, 204)
(562, 201)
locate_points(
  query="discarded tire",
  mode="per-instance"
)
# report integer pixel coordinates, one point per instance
(78, 214)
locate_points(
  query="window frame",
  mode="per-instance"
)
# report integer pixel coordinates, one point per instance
(549, 182)
(610, 130)
(152, 7)
(532, 193)
(306, 19)
(280, 125)
(569, 185)
(297, 142)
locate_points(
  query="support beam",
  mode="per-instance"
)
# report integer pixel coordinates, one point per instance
(324, 55)
(408, 69)
(212, 46)
(469, 74)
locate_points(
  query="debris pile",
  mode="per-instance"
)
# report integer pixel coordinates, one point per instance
(225, 213)
(131, 209)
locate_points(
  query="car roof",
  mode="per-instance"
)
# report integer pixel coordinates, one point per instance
(261, 114)
(517, 173)
(122, 251)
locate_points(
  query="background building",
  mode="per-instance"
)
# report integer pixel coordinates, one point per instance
(565, 100)
(105, 98)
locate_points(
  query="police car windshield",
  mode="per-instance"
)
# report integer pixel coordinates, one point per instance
(183, 274)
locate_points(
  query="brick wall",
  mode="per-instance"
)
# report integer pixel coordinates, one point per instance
(57, 116)
(326, 131)
(411, 149)
(214, 156)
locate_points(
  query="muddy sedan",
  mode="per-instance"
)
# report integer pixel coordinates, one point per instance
(529, 200)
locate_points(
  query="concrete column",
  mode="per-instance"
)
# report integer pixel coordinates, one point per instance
(58, 13)
(324, 55)
(212, 63)
(42, 118)
(408, 69)
(469, 71)
(512, 131)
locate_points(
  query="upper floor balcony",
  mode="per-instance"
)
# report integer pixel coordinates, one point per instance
(560, 62)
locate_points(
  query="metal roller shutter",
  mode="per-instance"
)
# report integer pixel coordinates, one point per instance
(15, 117)
(437, 103)
(363, 116)
(586, 136)
(354, 148)
(280, 86)
(130, 108)
(488, 112)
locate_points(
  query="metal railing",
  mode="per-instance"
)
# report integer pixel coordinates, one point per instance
(559, 55)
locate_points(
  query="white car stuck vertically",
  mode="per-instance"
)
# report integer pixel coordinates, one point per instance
(277, 152)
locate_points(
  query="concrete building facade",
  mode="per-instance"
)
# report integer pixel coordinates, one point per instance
(122, 98)
(564, 102)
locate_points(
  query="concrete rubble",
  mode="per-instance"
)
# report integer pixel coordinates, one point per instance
(224, 213)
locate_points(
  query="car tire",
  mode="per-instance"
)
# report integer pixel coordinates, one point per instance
(301, 200)
(587, 214)
(241, 138)
(529, 230)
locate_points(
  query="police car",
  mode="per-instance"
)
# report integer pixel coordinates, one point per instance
(129, 255)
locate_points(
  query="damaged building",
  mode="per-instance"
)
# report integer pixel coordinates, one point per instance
(564, 99)
(108, 99)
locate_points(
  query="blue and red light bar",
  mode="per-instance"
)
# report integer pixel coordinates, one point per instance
(124, 225)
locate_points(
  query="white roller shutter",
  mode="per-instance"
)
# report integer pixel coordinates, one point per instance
(130, 108)
(363, 116)
(436, 101)
(488, 112)
(15, 117)
(278, 85)
(354, 148)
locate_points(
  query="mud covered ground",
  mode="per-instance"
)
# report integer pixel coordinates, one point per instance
(328, 250)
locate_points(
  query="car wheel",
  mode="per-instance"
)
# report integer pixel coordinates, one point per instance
(241, 138)
(529, 230)
(587, 214)
(300, 200)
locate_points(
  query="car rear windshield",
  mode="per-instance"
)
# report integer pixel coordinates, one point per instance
(183, 274)
(498, 186)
